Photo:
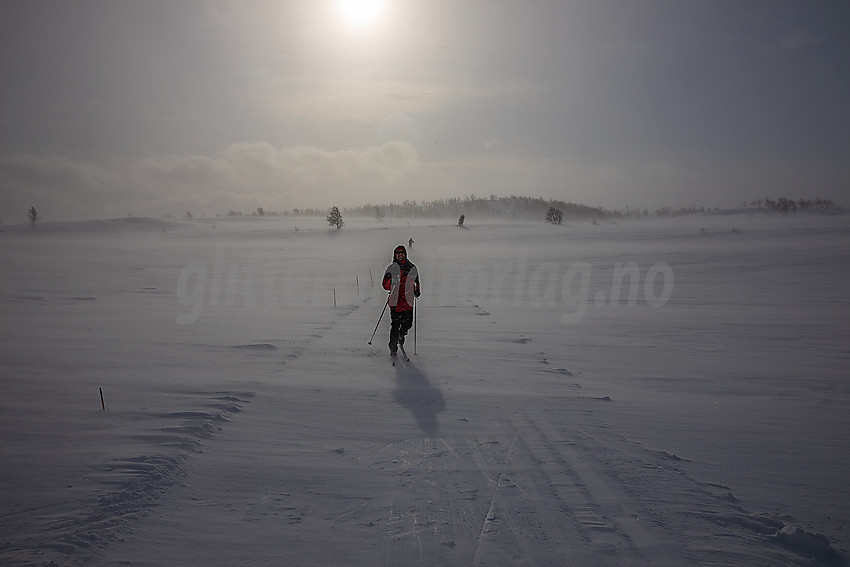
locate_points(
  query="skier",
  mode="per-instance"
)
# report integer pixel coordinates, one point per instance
(402, 281)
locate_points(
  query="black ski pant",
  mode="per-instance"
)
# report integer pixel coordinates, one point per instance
(400, 323)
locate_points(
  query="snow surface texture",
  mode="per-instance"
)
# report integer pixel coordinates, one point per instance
(647, 393)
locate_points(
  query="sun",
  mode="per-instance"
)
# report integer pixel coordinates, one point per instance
(361, 13)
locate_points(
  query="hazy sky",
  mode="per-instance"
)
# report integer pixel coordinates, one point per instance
(147, 107)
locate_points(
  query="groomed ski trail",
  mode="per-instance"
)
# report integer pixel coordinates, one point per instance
(428, 474)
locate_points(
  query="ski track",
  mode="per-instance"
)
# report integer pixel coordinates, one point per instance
(520, 489)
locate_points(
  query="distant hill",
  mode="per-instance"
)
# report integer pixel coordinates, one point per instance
(513, 207)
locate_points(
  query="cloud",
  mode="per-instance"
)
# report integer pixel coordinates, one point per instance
(34, 171)
(183, 171)
(317, 168)
(331, 100)
(241, 177)
(334, 99)
(59, 183)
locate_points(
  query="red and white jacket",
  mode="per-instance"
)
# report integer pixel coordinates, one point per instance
(402, 281)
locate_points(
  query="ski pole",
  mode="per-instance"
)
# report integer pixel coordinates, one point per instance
(414, 325)
(379, 322)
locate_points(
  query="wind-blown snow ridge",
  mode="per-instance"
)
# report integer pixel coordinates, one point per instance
(125, 489)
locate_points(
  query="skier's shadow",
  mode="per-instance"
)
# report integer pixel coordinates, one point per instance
(415, 392)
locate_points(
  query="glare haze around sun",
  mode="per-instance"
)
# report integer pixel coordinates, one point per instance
(360, 13)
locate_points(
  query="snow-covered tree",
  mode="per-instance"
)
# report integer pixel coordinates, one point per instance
(334, 218)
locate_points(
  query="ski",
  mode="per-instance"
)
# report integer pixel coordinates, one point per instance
(394, 355)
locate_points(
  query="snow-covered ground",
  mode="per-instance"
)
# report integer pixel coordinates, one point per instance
(645, 393)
